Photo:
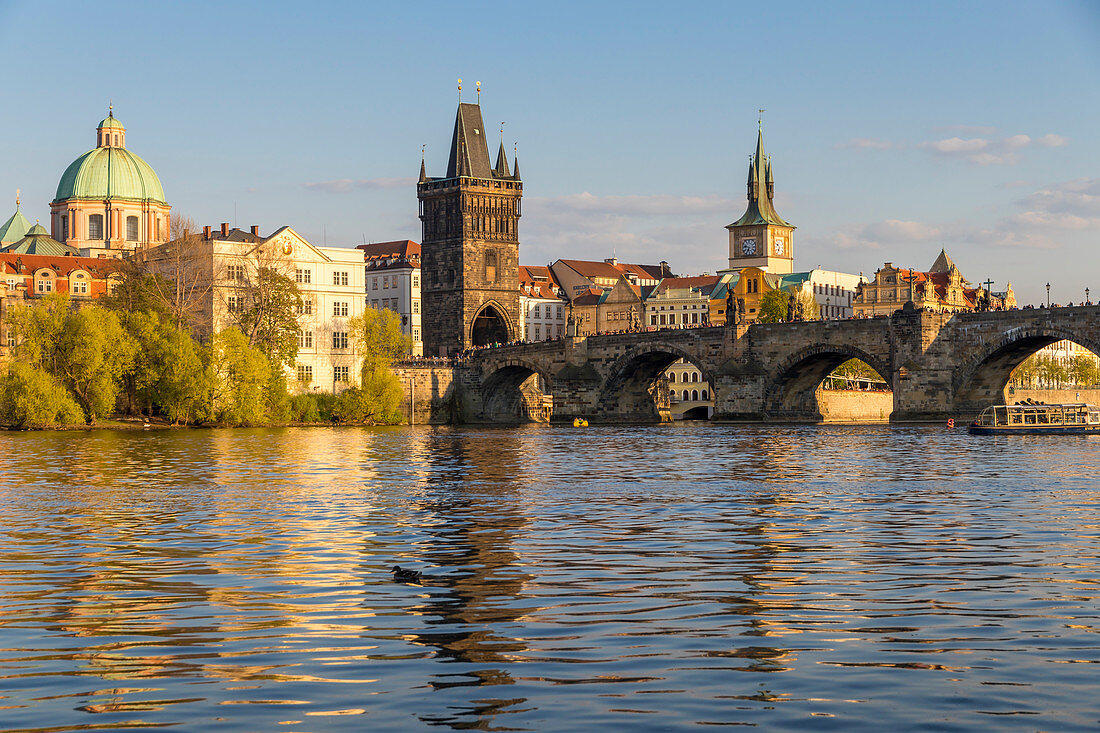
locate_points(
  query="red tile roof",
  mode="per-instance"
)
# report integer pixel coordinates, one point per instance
(98, 267)
(398, 248)
(703, 282)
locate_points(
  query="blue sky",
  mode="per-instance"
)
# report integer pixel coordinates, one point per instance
(894, 129)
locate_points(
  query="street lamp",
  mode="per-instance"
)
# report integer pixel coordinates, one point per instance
(1048, 295)
(1086, 296)
(826, 307)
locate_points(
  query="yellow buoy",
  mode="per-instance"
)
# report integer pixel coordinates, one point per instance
(579, 422)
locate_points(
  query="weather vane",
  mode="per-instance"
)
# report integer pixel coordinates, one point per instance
(760, 117)
(478, 92)
(459, 90)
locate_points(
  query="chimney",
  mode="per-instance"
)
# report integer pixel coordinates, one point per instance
(206, 232)
(225, 229)
(666, 271)
(255, 228)
(613, 261)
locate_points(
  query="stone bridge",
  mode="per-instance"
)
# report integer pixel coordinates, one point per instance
(938, 366)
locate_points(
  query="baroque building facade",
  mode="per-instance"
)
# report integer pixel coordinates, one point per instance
(470, 243)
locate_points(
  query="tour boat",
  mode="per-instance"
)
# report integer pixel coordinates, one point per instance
(1019, 419)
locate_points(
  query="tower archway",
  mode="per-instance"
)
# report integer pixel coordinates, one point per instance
(489, 327)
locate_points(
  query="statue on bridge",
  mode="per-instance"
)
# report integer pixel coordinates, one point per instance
(792, 308)
(735, 309)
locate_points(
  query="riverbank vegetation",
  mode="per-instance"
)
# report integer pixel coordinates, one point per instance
(133, 354)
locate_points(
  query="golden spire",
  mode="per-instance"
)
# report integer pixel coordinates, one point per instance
(111, 108)
(460, 91)
(478, 92)
(17, 199)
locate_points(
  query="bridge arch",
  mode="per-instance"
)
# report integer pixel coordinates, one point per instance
(512, 390)
(981, 381)
(791, 394)
(632, 390)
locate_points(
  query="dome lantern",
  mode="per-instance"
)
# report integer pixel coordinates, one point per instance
(110, 133)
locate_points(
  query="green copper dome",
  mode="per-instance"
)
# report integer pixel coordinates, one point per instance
(110, 121)
(110, 172)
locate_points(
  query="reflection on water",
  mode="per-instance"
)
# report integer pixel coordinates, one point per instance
(656, 577)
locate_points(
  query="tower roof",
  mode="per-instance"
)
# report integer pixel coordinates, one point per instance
(943, 263)
(501, 170)
(761, 209)
(14, 228)
(110, 173)
(38, 242)
(469, 151)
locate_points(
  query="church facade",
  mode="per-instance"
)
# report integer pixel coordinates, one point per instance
(470, 244)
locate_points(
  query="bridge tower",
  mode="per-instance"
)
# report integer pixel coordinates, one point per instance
(761, 238)
(470, 243)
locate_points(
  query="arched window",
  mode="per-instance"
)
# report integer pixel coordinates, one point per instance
(116, 139)
(694, 395)
(695, 376)
(43, 282)
(131, 228)
(687, 395)
(703, 395)
(95, 226)
(78, 283)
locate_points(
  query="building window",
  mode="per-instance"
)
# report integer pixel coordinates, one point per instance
(305, 339)
(416, 281)
(538, 333)
(340, 308)
(64, 219)
(235, 273)
(95, 226)
(416, 334)
(158, 230)
(78, 284)
(305, 373)
(45, 285)
(303, 276)
(703, 395)
(340, 340)
(340, 374)
(491, 265)
(233, 304)
(653, 320)
(305, 308)
(694, 394)
(131, 228)
(339, 278)
(416, 306)
(535, 312)
(374, 283)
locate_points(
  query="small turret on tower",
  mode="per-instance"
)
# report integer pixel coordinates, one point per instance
(110, 133)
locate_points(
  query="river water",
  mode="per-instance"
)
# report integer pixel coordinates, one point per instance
(657, 578)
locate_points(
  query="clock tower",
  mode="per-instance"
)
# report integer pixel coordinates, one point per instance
(760, 238)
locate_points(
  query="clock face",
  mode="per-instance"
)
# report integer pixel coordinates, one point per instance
(779, 243)
(748, 246)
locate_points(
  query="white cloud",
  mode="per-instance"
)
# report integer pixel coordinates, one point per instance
(1080, 196)
(345, 185)
(990, 151)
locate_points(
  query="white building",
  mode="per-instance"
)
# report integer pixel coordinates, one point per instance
(392, 281)
(680, 302)
(329, 279)
(542, 311)
(833, 291)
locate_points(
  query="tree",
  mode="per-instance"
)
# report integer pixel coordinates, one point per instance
(244, 388)
(773, 307)
(94, 353)
(379, 338)
(86, 349)
(30, 397)
(183, 273)
(265, 309)
(168, 371)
